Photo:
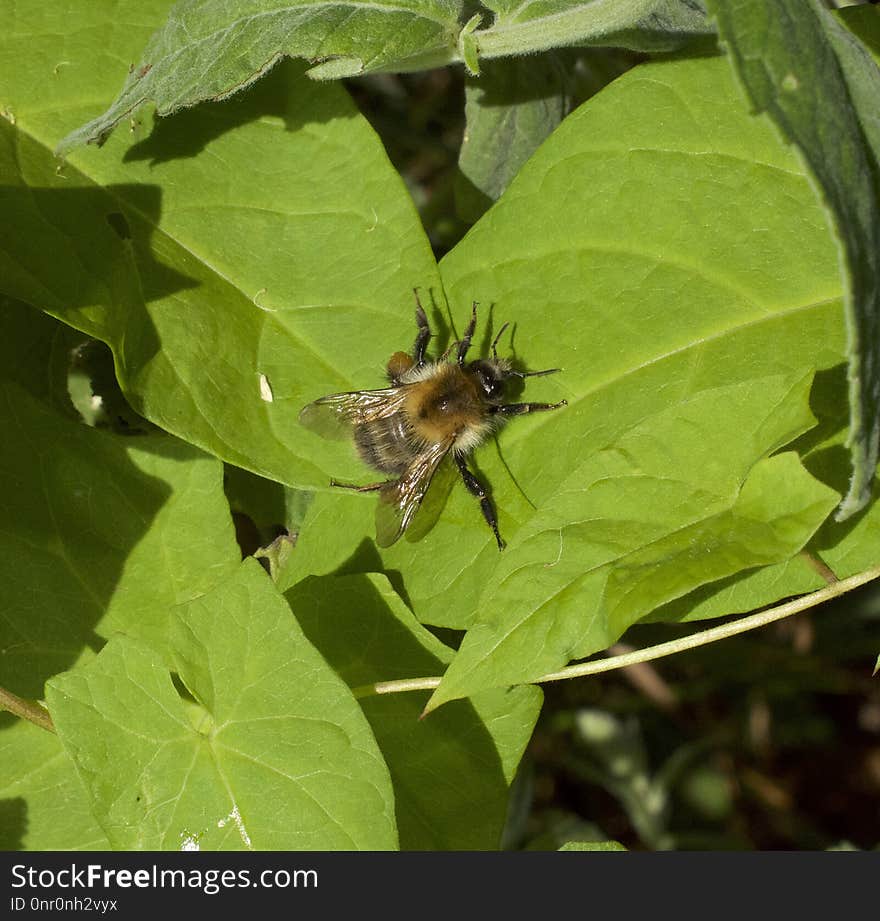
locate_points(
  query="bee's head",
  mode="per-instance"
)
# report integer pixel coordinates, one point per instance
(491, 375)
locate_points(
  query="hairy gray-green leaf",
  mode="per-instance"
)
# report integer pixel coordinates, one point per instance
(821, 86)
(275, 754)
(451, 773)
(671, 505)
(642, 25)
(210, 49)
(241, 259)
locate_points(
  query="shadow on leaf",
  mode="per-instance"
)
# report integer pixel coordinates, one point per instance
(188, 132)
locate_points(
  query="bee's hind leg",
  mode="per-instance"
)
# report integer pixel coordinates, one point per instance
(370, 487)
(475, 488)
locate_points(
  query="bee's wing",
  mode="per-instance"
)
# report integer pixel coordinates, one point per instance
(399, 500)
(334, 416)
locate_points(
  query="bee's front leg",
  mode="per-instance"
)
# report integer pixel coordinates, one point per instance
(424, 334)
(520, 409)
(465, 342)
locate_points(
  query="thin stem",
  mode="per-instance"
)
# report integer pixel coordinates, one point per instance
(26, 709)
(396, 687)
(732, 628)
(704, 637)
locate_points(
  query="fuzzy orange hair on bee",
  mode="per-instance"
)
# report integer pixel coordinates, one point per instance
(430, 409)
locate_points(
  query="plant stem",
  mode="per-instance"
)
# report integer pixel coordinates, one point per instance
(395, 687)
(26, 709)
(704, 637)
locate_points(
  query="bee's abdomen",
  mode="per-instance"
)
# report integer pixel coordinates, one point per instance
(385, 444)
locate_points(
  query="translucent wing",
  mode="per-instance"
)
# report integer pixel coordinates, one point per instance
(399, 500)
(334, 416)
(445, 477)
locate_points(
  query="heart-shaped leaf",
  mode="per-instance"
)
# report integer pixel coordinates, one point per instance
(275, 754)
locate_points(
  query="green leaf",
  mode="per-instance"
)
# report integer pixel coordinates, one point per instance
(43, 806)
(98, 533)
(451, 773)
(35, 351)
(820, 85)
(274, 755)
(509, 109)
(845, 548)
(664, 255)
(642, 25)
(864, 23)
(669, 506)
(243, 259)
(210, 49)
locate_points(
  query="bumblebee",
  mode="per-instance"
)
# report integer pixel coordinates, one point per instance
(430, 409)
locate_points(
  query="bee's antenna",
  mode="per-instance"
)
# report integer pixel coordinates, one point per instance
(513, 373)
(495, 340)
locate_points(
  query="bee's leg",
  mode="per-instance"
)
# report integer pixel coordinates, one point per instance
(465, 343)
(520, 409)
(475, 488)
(370, 487)
(424, 334)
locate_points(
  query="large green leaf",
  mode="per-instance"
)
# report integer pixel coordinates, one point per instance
(671, 505)
(275, 754)
(244, 258)
(98, 533)
(662, 242)
(821, 86)
(450, 773)
(43, 806)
